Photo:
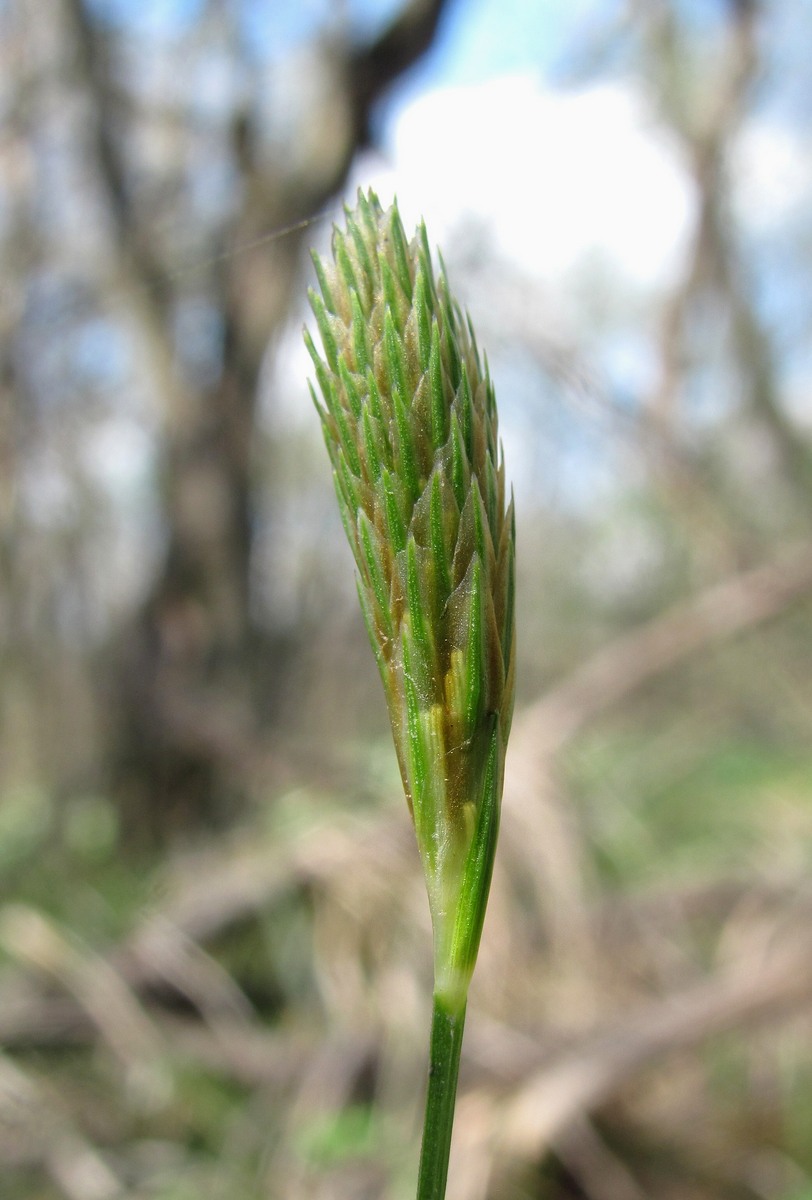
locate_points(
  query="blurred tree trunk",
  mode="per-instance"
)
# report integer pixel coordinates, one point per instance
(704, 111)
(196, 681)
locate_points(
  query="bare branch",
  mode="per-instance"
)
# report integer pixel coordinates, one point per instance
(761, 987)
(633, 660)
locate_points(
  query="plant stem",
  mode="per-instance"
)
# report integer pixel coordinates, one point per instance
(447, 1024)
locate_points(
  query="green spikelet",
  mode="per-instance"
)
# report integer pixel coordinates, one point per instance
(409, 418)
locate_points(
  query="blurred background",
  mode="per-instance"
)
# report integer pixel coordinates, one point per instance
(215, 962)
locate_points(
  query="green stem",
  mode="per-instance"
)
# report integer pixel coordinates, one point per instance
(447, 1024)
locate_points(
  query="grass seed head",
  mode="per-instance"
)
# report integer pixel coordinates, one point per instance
(409, 418)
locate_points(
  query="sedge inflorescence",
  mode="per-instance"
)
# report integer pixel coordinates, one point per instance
(409, 418)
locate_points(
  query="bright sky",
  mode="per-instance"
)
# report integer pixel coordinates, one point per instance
(486, 126)
(491, 130)
(486, 132)
(555, 179)
(554, 174)
(551, 179)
